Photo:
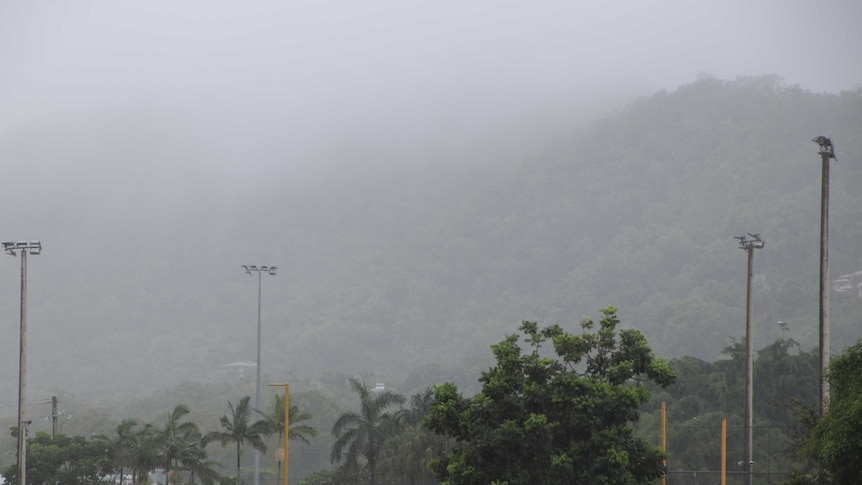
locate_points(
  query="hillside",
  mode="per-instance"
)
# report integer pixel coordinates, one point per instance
(408, 259)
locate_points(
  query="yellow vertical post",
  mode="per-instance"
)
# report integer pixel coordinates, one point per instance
(664, 439)
(286, 425)
(724, 451)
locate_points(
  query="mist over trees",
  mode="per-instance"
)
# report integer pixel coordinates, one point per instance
(419, 264)
(402, 266)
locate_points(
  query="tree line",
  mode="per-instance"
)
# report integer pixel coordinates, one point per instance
(557, 407)
(177, 448)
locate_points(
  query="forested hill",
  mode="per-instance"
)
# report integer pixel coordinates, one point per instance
(385, 271)
(638, 211)
(641, 211)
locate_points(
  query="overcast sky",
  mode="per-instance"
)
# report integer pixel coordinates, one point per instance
(157, 108)
(262, 71)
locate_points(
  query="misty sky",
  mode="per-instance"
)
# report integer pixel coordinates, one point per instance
(138, 107)
(266, 73)
(269, 91)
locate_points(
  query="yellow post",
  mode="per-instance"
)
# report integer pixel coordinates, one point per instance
(664, 439)
(286, 424)
(724, 451)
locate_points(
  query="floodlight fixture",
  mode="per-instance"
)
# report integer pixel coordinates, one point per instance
(827, 149)
(270, 270)
(32, 247)
(752, 241)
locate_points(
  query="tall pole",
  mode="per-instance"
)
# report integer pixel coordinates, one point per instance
(259, 270)
(257, 381)
(827, 152)
(749, 371)
(22, 377)
(33, 247)
(663, 440)
(53, 417)
(749, 245)
(724, 451)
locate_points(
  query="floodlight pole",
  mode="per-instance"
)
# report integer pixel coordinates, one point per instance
(32, 247)
(259, 270)
(749, 245)
(827, 152)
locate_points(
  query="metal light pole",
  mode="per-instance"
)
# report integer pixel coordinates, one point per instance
(827, 152)
(749, 245)
(259, 270)
(32, 247)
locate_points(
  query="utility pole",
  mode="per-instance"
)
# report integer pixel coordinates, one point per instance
(53, 417)
(32, 247)
(749, 245)
(259, 270)
(827, 152)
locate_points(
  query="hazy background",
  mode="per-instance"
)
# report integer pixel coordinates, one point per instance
(145, 143)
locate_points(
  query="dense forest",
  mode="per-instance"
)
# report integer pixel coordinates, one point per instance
(407, 276)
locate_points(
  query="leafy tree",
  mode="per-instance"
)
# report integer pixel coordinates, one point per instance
(783, 377)
(62, 459)
(554, 420)
(238, 429)
(360, 435)
(835, 441)
(704, 393)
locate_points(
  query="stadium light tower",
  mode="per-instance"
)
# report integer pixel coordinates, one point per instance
(270, 270)
(827, 152)
(13, 248)
(749, 245)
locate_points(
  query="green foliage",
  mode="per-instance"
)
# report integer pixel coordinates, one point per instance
(835, 442)
(562, 419)
(359, 436)
(62, 459)
(238, 429)
(406, 456)
(298, 427)
(704, 393)
(133, 450)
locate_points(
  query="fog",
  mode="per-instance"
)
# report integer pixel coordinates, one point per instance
(129, 129)
(273, 82)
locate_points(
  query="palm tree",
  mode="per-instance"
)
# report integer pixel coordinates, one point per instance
(362, 434)
(298, 430)
(237, 430)
(420, 405)
(122, 448)
(132, 450)
(194, 459)
(175, 438)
